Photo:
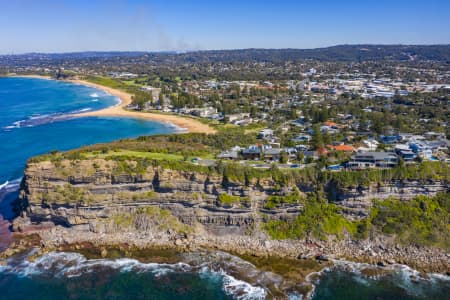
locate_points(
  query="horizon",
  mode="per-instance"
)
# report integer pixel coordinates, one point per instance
(50, 26)
(212, 50)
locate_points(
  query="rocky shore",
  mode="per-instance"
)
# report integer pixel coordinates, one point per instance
(380, 251)
(280, 267)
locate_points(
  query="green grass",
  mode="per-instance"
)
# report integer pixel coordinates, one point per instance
(145, 155)
(230, 200)
(131, 83)
(137, 154)
(276, 201)
(108, 82)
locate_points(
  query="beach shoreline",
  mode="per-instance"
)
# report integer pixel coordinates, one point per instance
(183, 123)
(190, 125)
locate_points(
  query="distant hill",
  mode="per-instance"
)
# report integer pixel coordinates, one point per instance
(341, 53)
(336, 53)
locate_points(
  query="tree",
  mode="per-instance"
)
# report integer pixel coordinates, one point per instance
(317, 139)
(161, 98)
(139, 100)
(284, 157)
(292, 114)
(326, 138)
(300, 156)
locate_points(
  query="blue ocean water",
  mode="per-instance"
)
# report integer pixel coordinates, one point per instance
(33, 120)
(66, 275)
(402, 283)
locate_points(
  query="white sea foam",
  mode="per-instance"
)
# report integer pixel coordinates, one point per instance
(295, 297)
(35, 120)
(10, 186)
(67, 264)
(3, 186)
(94, 100)
(241, 289)
(410, 280)
(231, 286)
(94, 95)
(80, 110)
(441, 277)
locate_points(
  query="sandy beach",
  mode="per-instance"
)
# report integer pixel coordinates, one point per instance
(188, 124)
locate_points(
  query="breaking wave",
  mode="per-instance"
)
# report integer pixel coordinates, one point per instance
(10, 186)
(68, 265)
(36, 120)
(234, 287)
(411, 282)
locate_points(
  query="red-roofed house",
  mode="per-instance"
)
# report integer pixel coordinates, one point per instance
(344, 148)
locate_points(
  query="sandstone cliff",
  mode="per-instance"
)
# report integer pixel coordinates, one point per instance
(106, 202)
(88, 194)
(84, 194)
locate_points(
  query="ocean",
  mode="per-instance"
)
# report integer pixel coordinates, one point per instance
(35, 118)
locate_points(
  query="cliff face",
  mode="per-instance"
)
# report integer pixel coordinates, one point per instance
(96, 195)
(106, 196)
(357, 201)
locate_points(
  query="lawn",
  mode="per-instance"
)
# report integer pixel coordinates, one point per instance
(140, 154)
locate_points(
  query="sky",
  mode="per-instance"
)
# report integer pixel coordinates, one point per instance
(176, 25)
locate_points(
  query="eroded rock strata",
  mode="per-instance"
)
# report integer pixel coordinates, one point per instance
(71, 201)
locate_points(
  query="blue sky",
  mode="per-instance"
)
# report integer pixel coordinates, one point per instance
(80, 25)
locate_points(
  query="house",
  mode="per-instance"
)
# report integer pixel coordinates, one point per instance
(322, 152)
(384, 94)
(237, 117)
(407, 155)
(231, 155)
(390, 139)
(328, 129)
(341, 148)
(154, 91)
(302, 138)
(404, 151)
(300, 122)
(302, 147)
(311, 71)
(123, 75)
(272, 154)
(292, 152)
(431, 134)
(369, 145)
(252, 152)
(243, 122)
(265, 133)
(205, 112)
(422, 149)
(364, 160)
(311, 154)
(330, 124)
